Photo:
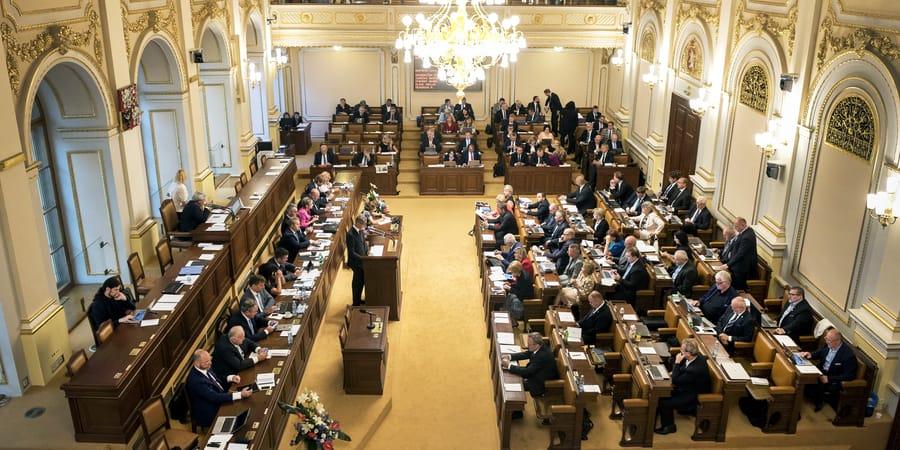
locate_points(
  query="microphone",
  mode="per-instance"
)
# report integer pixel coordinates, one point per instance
(371, 325)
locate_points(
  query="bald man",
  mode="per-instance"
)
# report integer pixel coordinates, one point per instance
(837, 361)
(206, 390)
(234, 353)
(736, 325)
(741, 260)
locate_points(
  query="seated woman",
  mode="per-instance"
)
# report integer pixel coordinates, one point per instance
(305, 213)
(469, 123)
(649, 222)
(576, 290)
(112, 302)
(286, 122)
(323, 183)
(532, 145)
(450, 125)
(387, 144)
(559, 153)
(452, 155)
(275, 280)
(545, 134)
(615, 245)
(681, 243)
(521, 255)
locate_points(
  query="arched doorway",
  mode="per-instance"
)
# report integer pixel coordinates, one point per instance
(256, 91)
(70, 140)
(218, 88)
(163, 115)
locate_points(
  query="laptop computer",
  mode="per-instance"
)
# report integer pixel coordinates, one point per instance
(474, 163)
(449, 163)
(430, 150)
(230, 424)
(139, 314)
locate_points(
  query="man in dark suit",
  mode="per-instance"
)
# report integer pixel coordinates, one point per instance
(838, 364)
(540, 209)
(519, 158)
(505, 223)
(541, 366)
(582, 196)
(460, 107)
(555, 106)
(698, 218)
(280, 261)
(796, 318)
(599, 320)
(356, 249)
(588, 135)
(671, 187)
(619, 189)
(430, 139)
(593, 117)
(736, 325)
(320, 202)
(501, 117)
(518, 108)
(206, 391)
(194, 213)
(256, 292)
(466, 141)
(365, 158)
(388, 103)
(556, 227)
(294, 240)
(343, 107)
(390, 114)
(683, 273)
(633, 204)
(361, 115)
(615, 145)
(471, 154)
(534, 116)
(714, 302)
(324, 157)
(634, 278)
(690, 378)
(742, 258)
(256, 328)
(235, 353)
(559, 249)
(681, 199)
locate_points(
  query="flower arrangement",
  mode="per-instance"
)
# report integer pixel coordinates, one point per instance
(316, 428)
(374, 203)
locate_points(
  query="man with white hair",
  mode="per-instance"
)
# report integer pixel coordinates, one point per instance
(736, 325)
(195, 212)
(698, 218)
(234, 353)
(511, 244)
(206, 391)
(742, 258)
(716, 300)
(683, 273)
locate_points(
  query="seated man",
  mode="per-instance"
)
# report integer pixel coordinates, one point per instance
(690, 378)
(582, 196)
(505, 223)
(540, 208)
(195, 212)
(280, 261)
(343, 107)
(206, 391)
(256, 292)
(599, 320)
(634, 278)
(365, 158)
(681, 198)
(255, 327)
(573, 267)
(324, 157)
(683, 273)
(522, 284)
(736, 325)
(471, 154)
(837, 363)
(541, 367)
(622, 261)
(519, 158)
(294, 240)
(714, 302)
(633, 205)
(534, 116)
(672, 185)
(540, 158)
(319, 203)
(431, 140)
(511, 244)
(619, 189)
(698, 218)
(466, 141)
(361, 115)
(235, 353)
(559, 249)
(796, 319)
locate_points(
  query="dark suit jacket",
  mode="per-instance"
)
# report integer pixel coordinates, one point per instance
(636, 280)
(741, 330)
(357, 116)
(293, 242)
(535, 160)
(552, 102)
(504, 224)
(256, 333)
(226, 359)
(741, 258)
(458, 109)
(541, 367)
(568, 122)
(691, 381)
(843, 367)
(592, 117)
(704, 219)
(523, 287)
(686, 279)
(356, 248)
(192, 216)
(518, 109)
(583, 198)
(464, 156)
(453, 156)
(622, 192)
(104, 308)
(390, 117)
(680, 200)
(463, 145)
(346, 109)
(330, 158)
(615, 147)
(668, 189)
(535, 118)
(714, 302)
(536, 106)
(517, 158)
(285, 268)
(372, 159)
(539, 209)
(587, 137)
(435, 142)
(799, 322)
(555, 232)
(601, 227)
(596, 321)
(205, 396)
(501, 117)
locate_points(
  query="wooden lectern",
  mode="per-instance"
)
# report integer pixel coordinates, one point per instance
(383, 271)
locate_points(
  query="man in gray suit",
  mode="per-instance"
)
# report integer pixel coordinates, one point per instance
(575, 262)
(256, 292)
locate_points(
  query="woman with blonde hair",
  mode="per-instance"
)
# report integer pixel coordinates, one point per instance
(577, 290)
(179, 191)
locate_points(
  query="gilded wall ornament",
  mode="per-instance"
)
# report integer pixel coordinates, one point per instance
(159, 19)
(860, 40)
(61, 38)
(755, 89)
(777, 26)
(692, 59)
(648, 46)
(704, 13)
(211, 9)
(851, 127)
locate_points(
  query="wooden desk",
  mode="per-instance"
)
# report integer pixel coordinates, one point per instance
(385, 182)
(451, 180)
(106, 395)
(632, 175)
(383, 272)
(365, 350)
(251, 224)
(298, 137)
(529, 180)
(505, 401)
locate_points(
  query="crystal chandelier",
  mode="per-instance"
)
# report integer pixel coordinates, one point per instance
(461, 46)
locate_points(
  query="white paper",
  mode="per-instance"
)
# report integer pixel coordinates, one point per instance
(607, 282)
(630, 317)
(164, 307)
(208, 247)
(149, 322)
(279, 352)
(376, 250)
(219, 439)
(272, 172)
(574, 334)
(235, 446)
(578, 356)
(217, 218)
(759, 381)
(170, 298)
(265, 380)
(644, 247)
(275, 316)
(808, 369)
(735, 371)
(785, 340)
(591, 388)
(647, 350)
(566, 316)
(512, 387)
(216, 227)
(206, 256)
(510, 349)
(290, 292)
(187, 280)
(487, 237)
(506, 338)
(501, 319)
(501, 315)
(549, 283)
(292, 332)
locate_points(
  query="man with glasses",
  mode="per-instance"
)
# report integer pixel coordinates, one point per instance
(837, 363)
(716, 300)
(796, 317)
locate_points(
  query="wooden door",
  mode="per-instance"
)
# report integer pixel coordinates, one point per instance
(684, 132)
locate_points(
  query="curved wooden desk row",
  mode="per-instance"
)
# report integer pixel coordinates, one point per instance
(105, 396)
(386, 182)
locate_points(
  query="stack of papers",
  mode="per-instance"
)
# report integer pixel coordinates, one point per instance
(291, 292)
(785, 340)
(644, 247)
(208, 247)
(808, 369)
(735, 371)
(630, 317)
(150, 322)
(647, 350)
(265, 380)
(376, 250)
(216, 227)
(574, 334)
(279, 352)
(166, 303)
(292, 332)
(217, 218)
(206, 256)
(510, 349)
(759, 381)
(505, 338)
(187, 280)
(566, 316)
(591, 388)
(512, 387)
(219, 440)
(549, 283)
(578, 356)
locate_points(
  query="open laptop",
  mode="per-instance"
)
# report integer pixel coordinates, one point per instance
(430, 150)
(450, 163)
(474, 163)
(230, 424)
(236, 206)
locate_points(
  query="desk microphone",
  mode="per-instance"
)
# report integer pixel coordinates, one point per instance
(371, 324)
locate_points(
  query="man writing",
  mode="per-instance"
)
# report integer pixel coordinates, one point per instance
(541, 367)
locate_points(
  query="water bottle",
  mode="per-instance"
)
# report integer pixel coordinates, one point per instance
(632, 330)
(290, 337)
(296, 307)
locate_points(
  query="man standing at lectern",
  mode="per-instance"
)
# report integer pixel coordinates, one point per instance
(356, 249)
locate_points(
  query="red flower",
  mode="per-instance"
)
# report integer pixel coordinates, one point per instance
(335, 425)
(311, 435)
(328, 445)
(301, 416)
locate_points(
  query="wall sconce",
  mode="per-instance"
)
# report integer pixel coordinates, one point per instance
(883, 204)
(280, 57)
(617, 59)
(653, 76)
(702, 102)
(557, 49)
(769, 140)
(253, 75)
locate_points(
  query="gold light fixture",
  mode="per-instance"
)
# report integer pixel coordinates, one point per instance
(461, 46)
(253, 75)
(769, 140)
(653, 76)
(884, 205)
(702, 102)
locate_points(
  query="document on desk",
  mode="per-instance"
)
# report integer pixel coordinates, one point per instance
(206, 256)
(551, 284)
(735, 371)
(279, 352)
(578, 356)
(236, 446)
(187, 280)
(497, 277)
(574, 334)
(506, 338)
(501, 319)
(272, 172)
(808, 369)
(512, 387)
(487, 236)
(149, 323)
(216, 227)
(290, 292)
(566, 316)
(219, 440)
(292, 332)
(647, 350)
(510, 349)
(265, 380)
(217, 218)
(630, 317)
(163, 307)
(572, 209)
(759, 381)
(209, 247)
(644, 247)
(591, 388)
(376, 250)
(785, 340)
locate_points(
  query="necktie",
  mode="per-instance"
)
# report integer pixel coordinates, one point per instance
(731, 320)
(637, 202)
(209, 375)
(787, 311)
(696, 213)
(258, 300)
(677, 271)
(240, 351)
(252, 328)
(627, 270)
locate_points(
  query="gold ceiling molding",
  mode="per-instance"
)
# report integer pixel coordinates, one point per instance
(851, 127)
(777, 25)
(164, 18)
(61, 38)
(655, 5)
(691, 62)
(211, 9)
(859, 40)
(708, 14)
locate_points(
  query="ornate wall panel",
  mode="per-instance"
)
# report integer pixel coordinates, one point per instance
(648, 46)
(691, 63)
(136, 22)
(782, 27)
(755, 88)
(851, 127)
(838, 37)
